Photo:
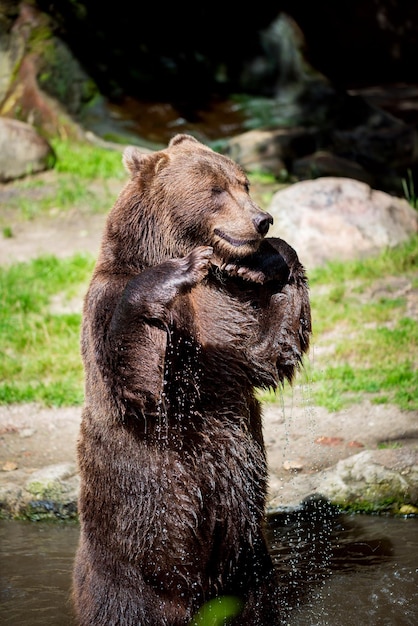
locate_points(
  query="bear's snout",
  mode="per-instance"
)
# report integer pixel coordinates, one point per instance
(262, 223)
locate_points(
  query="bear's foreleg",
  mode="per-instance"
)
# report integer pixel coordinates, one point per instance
(134, 350)
(285, 315)
(149, 295)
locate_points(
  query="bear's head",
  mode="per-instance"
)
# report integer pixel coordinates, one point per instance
(182, 197)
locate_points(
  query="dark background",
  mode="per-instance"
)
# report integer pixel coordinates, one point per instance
(191, 51)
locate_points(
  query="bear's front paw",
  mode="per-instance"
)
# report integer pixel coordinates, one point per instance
(196, 265)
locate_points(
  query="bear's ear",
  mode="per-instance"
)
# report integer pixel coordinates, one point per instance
(133, 159)
(180, 138)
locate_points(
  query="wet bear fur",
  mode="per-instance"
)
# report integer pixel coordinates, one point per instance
(190, 311)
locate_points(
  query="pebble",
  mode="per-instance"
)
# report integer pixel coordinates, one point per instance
(9, 466)
(295, 466)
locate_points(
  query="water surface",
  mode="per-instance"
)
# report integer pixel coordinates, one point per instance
(334, 570)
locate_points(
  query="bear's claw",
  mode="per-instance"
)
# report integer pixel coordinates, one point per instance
(198, 262)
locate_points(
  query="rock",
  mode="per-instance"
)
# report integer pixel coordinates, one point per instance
(42, 83)
(50, 481)
(42, 443)
(51, 492)
(339, 219)
(373, 478)
(319, 440)
(10, 46)
(301, 94)
(354, 139)
(323, 163)
(22, 150)
(270, 150)
(373, 137)
(293, 465)
(9, 466)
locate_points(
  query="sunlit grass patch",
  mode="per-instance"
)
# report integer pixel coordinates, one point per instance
(337, 386)
(391, 261)
(369, 344)
(40, 349)
(65, 194)
(82, 175)
(87, 161)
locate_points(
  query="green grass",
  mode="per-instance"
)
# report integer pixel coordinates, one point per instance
(40, 359)
(81, 179)
(372, 343)
(392, 261)
(409, 190)
(86, 161)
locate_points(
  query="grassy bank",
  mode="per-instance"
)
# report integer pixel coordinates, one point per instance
(84, 177)
(39, 332)
(366, 336)
(364, 342)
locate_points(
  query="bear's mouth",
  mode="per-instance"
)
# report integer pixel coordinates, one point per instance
(237, 243)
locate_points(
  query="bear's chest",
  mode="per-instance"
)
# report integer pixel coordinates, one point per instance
(222, 343)
(225, 317)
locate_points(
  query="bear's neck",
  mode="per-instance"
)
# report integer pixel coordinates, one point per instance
(131, 253)
(137, 236)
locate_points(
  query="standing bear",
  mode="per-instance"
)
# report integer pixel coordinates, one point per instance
(190, 311)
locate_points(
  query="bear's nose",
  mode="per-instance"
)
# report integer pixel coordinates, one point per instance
(262, 223)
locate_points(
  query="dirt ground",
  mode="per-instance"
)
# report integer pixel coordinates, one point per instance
(301, 438)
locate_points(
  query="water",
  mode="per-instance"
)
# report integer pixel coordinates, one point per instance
(157, 122)
(334, 570)
(340, 570)
(35, 573)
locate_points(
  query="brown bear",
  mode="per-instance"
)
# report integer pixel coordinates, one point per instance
(190, 311)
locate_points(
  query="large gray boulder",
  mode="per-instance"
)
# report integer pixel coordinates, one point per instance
(22, 150)
(339, 219)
